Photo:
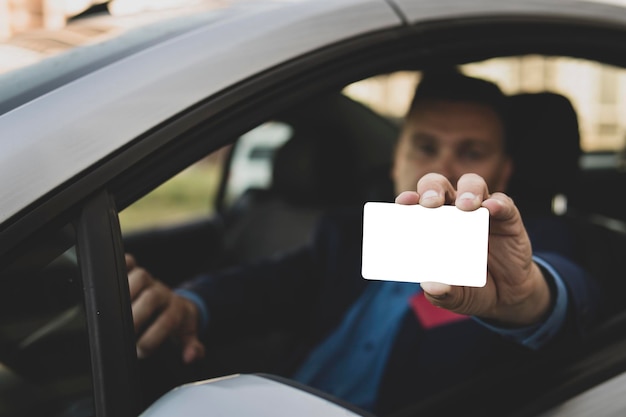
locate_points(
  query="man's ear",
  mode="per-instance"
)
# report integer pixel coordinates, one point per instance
(505, 174)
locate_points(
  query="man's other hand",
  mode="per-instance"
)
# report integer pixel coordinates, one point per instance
(159, 313)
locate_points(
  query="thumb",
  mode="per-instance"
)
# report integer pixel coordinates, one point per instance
(435, 289)
(446, 296)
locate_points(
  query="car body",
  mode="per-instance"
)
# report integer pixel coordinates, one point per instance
(87, 133)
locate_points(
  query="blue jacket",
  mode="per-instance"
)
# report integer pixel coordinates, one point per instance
(307, 292)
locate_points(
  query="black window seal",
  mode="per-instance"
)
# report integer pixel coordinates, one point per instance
(107, 307)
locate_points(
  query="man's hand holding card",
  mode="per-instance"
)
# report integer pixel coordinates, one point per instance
(514, 293)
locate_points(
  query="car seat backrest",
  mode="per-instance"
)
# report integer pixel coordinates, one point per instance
(315, 169)
(544, 142)
(337, 150)
(309, 175)
(546, 149)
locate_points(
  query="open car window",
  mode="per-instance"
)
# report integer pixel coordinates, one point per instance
(267, 190)
(190, 195)
(220, 180)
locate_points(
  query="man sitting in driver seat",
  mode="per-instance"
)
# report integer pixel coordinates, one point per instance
(383, 345)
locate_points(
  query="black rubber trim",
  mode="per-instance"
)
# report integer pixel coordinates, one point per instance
(398, 11)
(107, 306)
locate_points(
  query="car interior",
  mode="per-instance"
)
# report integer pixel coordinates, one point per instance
(339, 154)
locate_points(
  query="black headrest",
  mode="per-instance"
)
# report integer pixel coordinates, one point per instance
(338, 147)
(544, 144)
(314, 169)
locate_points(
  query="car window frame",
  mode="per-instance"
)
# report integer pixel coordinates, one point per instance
(108, 308)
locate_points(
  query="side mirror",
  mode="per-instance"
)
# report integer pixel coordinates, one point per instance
(250, 395)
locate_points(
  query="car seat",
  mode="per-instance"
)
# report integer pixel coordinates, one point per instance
(544, 142)
(336, 157)
(546, 150)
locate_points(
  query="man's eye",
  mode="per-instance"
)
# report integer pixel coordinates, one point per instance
(473, 154)
(426, 149)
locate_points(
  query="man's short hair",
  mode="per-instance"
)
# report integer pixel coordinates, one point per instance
(450, 84)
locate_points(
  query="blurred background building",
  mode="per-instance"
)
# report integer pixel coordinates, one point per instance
(17, 16)
(597, 92)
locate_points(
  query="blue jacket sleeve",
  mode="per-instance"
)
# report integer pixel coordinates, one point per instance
(578, 300)
(564, 318)
(254, 298)
(586, 300)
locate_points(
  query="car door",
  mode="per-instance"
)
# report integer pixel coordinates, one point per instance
(66, 334)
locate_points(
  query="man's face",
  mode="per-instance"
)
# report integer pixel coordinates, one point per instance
(451, 138)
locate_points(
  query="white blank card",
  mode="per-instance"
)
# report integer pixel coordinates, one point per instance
(412, 243)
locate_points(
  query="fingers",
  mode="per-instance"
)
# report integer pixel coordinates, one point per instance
(178, 319)
(471, 191)
(193, 349)
(443, 295)
(462, 300)
(501, 207)
(147, 295)
(175, 315)
(408, 198)
(166, 324)
(506, 220)
(153, 298)
(435, 190)
(436, 290)
(138, 280)
(130, 261)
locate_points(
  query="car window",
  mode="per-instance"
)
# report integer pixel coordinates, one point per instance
(250, 167)
(45, 367)
(188, 195)
(192, 193)
(252, 157)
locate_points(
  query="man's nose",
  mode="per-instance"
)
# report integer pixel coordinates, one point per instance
(446, 166)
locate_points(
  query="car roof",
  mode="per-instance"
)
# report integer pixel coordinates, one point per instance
(117, 91)
(37, 61)
(67, 129)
